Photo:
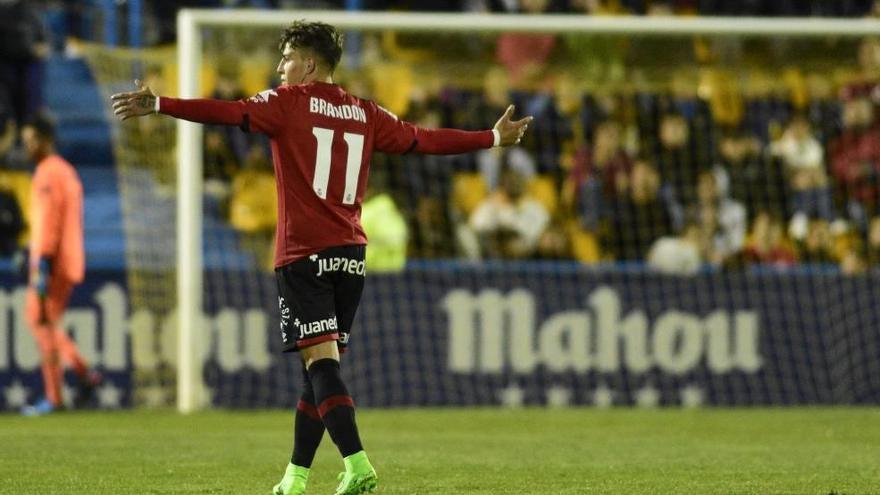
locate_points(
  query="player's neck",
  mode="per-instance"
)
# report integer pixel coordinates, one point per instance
(43, 154)
(321, 77)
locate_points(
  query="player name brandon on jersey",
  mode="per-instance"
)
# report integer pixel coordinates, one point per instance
(348, 112)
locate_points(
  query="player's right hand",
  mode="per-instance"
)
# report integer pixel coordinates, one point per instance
(511, 131)
(134, 103)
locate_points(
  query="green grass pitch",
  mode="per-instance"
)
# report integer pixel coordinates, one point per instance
(456, 451)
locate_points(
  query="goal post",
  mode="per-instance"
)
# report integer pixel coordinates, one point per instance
(189, 218)
(190, 26)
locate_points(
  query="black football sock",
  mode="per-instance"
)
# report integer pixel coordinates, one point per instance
(335, 406)
(308, 429)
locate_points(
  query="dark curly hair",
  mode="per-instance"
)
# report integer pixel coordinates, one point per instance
(322, 39)
(43, 124)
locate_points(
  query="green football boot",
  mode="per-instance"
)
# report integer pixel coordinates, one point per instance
(293, 482)
(359, 476)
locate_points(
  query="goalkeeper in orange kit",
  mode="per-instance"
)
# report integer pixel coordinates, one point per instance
(56, 263)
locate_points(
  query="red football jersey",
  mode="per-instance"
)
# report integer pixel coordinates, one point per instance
(322, 139)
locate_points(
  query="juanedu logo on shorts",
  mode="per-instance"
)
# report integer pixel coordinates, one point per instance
(315, 327)
(338, 264)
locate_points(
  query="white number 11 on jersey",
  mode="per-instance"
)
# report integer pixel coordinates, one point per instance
(355, 144)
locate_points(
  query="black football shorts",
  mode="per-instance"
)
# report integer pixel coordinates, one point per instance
(318, 297)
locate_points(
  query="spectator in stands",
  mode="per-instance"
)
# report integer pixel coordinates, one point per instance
(509, 223)
(639, 217)
(823, 108)
(253, 204)
(220, 165)
(596, 58)
(679, 255)
(496, 94)
(855, 155)
(7, 137)
(676, 160)
(12, 222)
(868, 79)
(804, 161)
(559, 117)
(14, 187)
(499, 6)
(525, 56)
(600, 175)
(225, 147)
(752, 8)
(767, 244)
(23, 47)
(671, 7)
(491, 162)
(872, 246)
(68, 21)
(816, 244)
(475, 110)
(763, 8)
(682, 99)
(162, 17)
(427, 241)
(747, 176)
(424, 194)
(852, 262)
(598, 7)
(723, 220)
(415, 5)
(869, 64)
(385, 227)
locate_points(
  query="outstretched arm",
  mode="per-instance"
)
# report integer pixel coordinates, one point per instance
(396, 136)
(206, 111)
(261, 113)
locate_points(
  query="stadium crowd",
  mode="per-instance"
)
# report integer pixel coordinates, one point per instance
(687, 170)
(828, 8)
(698, 173)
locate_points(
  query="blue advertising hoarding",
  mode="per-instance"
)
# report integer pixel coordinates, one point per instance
(450, 334)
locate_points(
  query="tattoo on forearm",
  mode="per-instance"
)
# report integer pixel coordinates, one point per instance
(145, 102)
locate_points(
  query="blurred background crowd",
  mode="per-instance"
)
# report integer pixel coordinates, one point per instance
(683, 153)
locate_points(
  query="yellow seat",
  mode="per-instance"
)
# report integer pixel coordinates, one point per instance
(19, 183)
(468, 190)
(543, 189)
(392, 85)
(254, 205)
(720, 89)
(584, 244)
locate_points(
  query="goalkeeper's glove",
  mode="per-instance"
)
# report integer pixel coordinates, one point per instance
(40, 276)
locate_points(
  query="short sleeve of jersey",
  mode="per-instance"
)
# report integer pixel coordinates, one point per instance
(267, 111)
(392, 134)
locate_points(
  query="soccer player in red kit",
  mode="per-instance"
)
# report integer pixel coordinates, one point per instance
(57, 262)
(322, 139)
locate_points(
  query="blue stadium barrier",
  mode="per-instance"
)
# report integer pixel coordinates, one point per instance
(534, 334)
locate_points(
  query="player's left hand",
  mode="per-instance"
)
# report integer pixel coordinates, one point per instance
(511, 131)
(134, 103)
(40, 277)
